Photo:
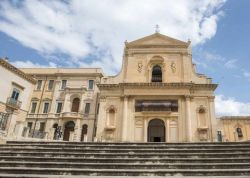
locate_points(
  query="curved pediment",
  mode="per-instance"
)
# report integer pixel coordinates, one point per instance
(157, 39)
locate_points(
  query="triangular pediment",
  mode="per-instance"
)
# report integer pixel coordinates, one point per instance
(157, 39)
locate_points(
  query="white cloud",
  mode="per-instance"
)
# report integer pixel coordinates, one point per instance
(230, 107)
(27, 64)
(92, 27)
(246, 74)
(231, 64)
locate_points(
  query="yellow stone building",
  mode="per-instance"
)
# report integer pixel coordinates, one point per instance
(64, 103)
(15, 90)
(157, 97)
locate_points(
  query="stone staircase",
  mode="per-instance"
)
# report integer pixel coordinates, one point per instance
(51, 159)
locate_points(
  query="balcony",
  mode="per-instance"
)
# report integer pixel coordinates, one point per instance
(31, 116)
(15, 104)
(72, 115)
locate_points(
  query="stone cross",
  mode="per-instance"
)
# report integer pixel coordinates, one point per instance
(157, 28)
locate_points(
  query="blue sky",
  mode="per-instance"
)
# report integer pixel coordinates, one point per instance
(84, 33)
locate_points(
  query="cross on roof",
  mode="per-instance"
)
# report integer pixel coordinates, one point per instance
(157, 28)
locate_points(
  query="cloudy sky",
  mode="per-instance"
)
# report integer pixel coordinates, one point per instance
(91, 33)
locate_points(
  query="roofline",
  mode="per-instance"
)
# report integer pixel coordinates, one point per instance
(17, 71)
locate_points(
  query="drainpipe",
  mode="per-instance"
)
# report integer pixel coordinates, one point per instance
(39, 106)
(96, 110)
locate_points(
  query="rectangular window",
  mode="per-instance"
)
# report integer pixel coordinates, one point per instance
(87, 108)
(42, 126)
(59, 107)
(15, 94)
(39, 85)
(98, 106)
(51, 84)
(30, 126)
(46, 108)
(91, 84)
(33, 107)
(64, 83)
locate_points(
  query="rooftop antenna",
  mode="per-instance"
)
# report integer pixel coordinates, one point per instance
(157, 28)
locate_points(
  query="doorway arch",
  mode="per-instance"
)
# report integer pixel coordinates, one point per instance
(69, 127)
(75, 105)
(156, 131)
(84, 131)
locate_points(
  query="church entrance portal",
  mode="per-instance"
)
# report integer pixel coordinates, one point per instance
(69, 127)
(156, 131)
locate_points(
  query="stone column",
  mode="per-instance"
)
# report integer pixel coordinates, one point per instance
(188, 119)
(125, 118)
(55, 96)
(213, 121)
(145, 129)
(77, 133)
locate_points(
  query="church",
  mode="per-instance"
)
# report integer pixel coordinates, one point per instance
(156, 97)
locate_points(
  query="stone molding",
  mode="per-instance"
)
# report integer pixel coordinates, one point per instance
(159, 85)
(15, 70)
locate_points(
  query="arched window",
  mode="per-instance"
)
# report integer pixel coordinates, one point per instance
(239, 132)
(202, 117)
(111, 117)
(75, 105)
(156, 74)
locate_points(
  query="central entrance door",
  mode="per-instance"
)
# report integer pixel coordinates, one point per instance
(156, 131)
(69, 127)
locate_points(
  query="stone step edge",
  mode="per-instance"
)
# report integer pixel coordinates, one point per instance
(124, 150)
(129, 153)
(127, 145)
(77, 176)
(123, 170)
(123, 164)
(130, 143)
(132, 159)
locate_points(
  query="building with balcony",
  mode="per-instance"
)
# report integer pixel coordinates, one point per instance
(15, 87)
(64, 103)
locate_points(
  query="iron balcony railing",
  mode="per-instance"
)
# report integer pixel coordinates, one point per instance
(3, 120)
(11, 102)
(38, 134)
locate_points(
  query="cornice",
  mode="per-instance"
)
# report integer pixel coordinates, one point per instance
(159, 85)
(15, 70)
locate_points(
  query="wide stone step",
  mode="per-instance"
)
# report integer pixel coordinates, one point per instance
(125, 160)
(118, 146)
(125, 172)
(110, 150)
(121, 166)
(126, 155)
(126, 143)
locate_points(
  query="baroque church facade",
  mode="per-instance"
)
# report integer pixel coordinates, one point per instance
(157, 97)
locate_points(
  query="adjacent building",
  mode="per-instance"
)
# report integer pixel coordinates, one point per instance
(15, 90)
(63, 104)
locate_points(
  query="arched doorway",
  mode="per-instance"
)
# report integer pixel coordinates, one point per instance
(69, 127)
(75, 105)
(84, 132)
(156, 131)
(55, 127)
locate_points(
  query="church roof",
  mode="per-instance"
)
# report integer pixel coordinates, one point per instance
(157, 39)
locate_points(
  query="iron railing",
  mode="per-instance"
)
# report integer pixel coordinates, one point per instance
(3, 120)
(11, 102)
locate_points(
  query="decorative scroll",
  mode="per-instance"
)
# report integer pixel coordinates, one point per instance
(173, 67)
